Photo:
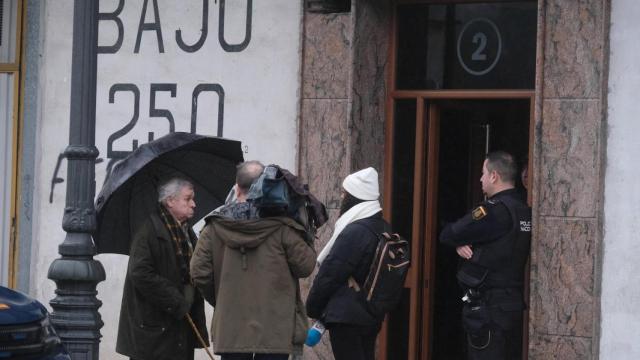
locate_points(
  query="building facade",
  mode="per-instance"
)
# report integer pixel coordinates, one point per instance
(418, 89)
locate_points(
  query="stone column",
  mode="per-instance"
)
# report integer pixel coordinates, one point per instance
(568, 196)
(324, 131)
(342, 106)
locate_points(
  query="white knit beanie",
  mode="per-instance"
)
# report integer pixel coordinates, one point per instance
(363, 184)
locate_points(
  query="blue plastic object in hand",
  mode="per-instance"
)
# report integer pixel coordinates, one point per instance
(315, 334)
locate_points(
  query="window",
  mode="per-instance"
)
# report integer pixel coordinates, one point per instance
(10, 17)
(466, 46)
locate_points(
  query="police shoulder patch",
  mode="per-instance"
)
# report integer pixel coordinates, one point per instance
(479, 212)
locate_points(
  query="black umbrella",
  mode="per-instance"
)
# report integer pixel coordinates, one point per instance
(130, 192)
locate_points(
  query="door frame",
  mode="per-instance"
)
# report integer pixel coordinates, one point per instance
(426, 182)
(15, 68)
(424, 236)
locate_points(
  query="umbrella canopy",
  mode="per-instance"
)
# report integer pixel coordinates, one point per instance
(131, 191)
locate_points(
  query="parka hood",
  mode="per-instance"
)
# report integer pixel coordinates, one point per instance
(249, 233)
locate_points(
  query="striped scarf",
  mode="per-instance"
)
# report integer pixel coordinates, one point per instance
(180, 236)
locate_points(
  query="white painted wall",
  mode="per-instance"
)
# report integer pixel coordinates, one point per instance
(261, 85)
(620, 318)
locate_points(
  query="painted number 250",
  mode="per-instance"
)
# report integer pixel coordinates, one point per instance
(155, 112)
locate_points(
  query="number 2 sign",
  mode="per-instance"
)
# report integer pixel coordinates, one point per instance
(479, 46)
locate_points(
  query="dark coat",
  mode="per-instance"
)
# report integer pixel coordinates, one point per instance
(250, 269)
(153, 322)
(330, 298)
(499, 230)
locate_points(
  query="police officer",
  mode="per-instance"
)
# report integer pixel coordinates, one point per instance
(493, 241)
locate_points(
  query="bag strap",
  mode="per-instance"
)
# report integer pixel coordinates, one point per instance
(351, 282)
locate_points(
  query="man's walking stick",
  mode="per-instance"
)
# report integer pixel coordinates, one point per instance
(202, 342)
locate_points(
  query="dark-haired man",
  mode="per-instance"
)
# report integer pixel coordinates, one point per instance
(493, 241)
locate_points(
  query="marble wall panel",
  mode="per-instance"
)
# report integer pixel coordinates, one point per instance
(563, 300)
(327, 56)
(564, 309)
(569, 167)
(573, 55)
(371, 50)
(324, 125)
(545, 347)
(324, 148)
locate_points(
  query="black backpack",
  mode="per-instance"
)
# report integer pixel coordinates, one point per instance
(385, 280)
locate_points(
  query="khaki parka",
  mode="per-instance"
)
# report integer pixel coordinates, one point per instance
(249, 271)
(152, 317)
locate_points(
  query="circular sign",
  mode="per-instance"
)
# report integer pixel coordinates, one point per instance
(479, 46)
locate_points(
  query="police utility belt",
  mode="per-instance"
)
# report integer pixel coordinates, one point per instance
(474, 280)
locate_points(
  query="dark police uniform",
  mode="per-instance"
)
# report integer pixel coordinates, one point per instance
(499, 231)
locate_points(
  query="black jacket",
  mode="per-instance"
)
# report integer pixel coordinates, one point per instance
(500, 232)
(152, 317)
(330, 298)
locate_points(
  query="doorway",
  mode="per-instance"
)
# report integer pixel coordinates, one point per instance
(461, 84)
(438, 145)
(468, 130)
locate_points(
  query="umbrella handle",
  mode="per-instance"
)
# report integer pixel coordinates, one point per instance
(200, 339)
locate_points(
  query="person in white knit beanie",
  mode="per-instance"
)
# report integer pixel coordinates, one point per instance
(363, 184)
(333, 297)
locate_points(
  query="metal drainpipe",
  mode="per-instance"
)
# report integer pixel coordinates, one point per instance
(75, 307)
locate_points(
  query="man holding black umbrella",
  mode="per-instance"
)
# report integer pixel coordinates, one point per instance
(158, 295)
